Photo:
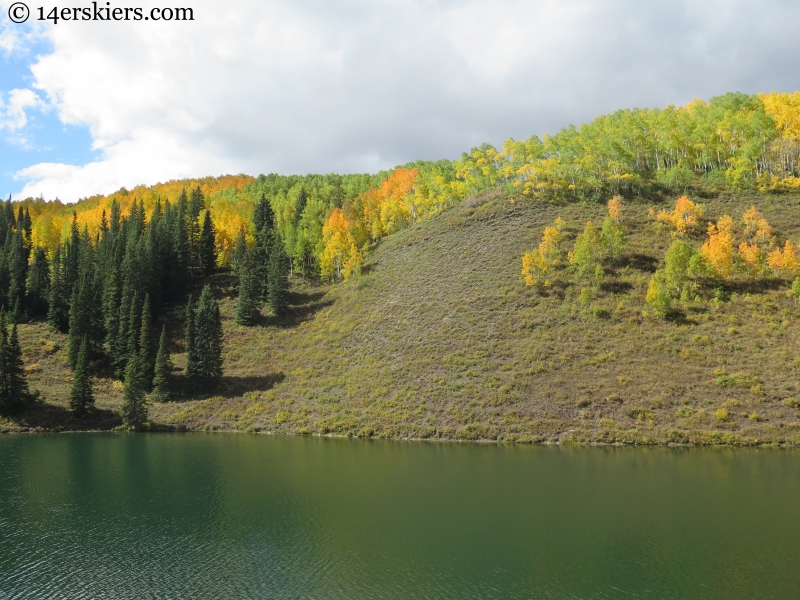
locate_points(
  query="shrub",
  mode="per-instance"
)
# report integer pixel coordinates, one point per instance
(722, 414)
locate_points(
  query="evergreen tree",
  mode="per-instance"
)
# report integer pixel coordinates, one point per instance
(193, 372)
(196, 205)
(81, 396)
(134, 325)
(277, 281)
(13, 384)
(207, 340)
(118, 347)
(265, 242)
(18, 271)
(145, 345)
(263, 217)
(208, 246)
(134, 408)
(58, 311)
(163, 369)
(247, 304)
(38, 283)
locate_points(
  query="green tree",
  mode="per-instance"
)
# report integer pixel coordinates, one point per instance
(81, 396)
(208, 246)
(658, 295)
(676, 271)
(13, 384)
(247, 303)
(193, 369)
(586, 254)
(277, 277)
(163, 369)
(58, 305)
(612, 237)
(146, 345)
(207, 340)
(134, 406)
(38, 283)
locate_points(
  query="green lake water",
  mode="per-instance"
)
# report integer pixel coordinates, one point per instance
(247, 516)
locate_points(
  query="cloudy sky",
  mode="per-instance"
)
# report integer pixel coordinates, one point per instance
(352, 86)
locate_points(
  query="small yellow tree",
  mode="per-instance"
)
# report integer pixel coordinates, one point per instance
(684, 218)
(615, 208)
(784, 261)
(537, 263)
(718, 250)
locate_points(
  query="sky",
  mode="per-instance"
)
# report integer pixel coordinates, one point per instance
(345, 86)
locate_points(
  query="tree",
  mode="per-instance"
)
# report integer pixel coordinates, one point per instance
(247, 303)
(277, 278)
(81, 396)
(684, 218)
(58, 311)
(208, 246)
(163, 369)
(207, 340)
(586, 253)
(134, 407)
(38, 283)
(718, 250)
(537, 264)
(263, 216)
(193, 371)
(676, 271)
(145, 345)
(658, 294)
(612, 237)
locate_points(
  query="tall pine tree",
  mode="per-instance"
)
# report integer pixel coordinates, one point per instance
(207, 340)
(134, 406)
(163, 369)
(277, 277)
(208, 246)
(81, 396)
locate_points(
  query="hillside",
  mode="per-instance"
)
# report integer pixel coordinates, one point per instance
(440, 338)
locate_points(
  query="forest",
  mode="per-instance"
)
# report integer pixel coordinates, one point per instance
(115, 273)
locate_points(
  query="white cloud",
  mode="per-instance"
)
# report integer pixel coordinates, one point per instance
(357, 85)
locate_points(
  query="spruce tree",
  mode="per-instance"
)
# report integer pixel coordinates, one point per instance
(134, 408)
(118, 347)
(18, 271)
(208, 339)
(208, 246)
(299, 206)
(81, 396)
(163, 369)
(13, 384)
(277, 281)
(263, 217)
(265, 241)
(247, 303)
(134, 325)
(58, 307)
(146, 345)
(193, 372)
(38, 283)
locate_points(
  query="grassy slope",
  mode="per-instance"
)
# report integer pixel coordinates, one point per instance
(441, 338)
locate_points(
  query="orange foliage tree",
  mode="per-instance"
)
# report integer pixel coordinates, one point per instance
(718, 250)
(685, 217)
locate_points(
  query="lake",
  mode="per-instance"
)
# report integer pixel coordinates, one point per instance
(246, 516)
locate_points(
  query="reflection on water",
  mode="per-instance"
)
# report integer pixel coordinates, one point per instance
(239, 516)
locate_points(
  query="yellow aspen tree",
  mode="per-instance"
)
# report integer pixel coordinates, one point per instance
(784, 261)
(756, 228)
(615, 208)
(718, 250)
(751, 259)
(340, 256)
(685, 217)
(538, 263)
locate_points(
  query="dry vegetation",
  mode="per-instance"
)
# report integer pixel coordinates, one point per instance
(441, 338)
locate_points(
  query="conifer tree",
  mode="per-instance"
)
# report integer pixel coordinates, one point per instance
(163, 369)
(118, 346)
(145, 345)
(134, 407)
(207, 340)
(263, 217)
(81, 396)
(13, 384)
(247, 304)
(265, 242)
(277, 281)
(38, 283)
(193, 372)
(58, 310)
(208, 247)
(134, 325)
(299, 206)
